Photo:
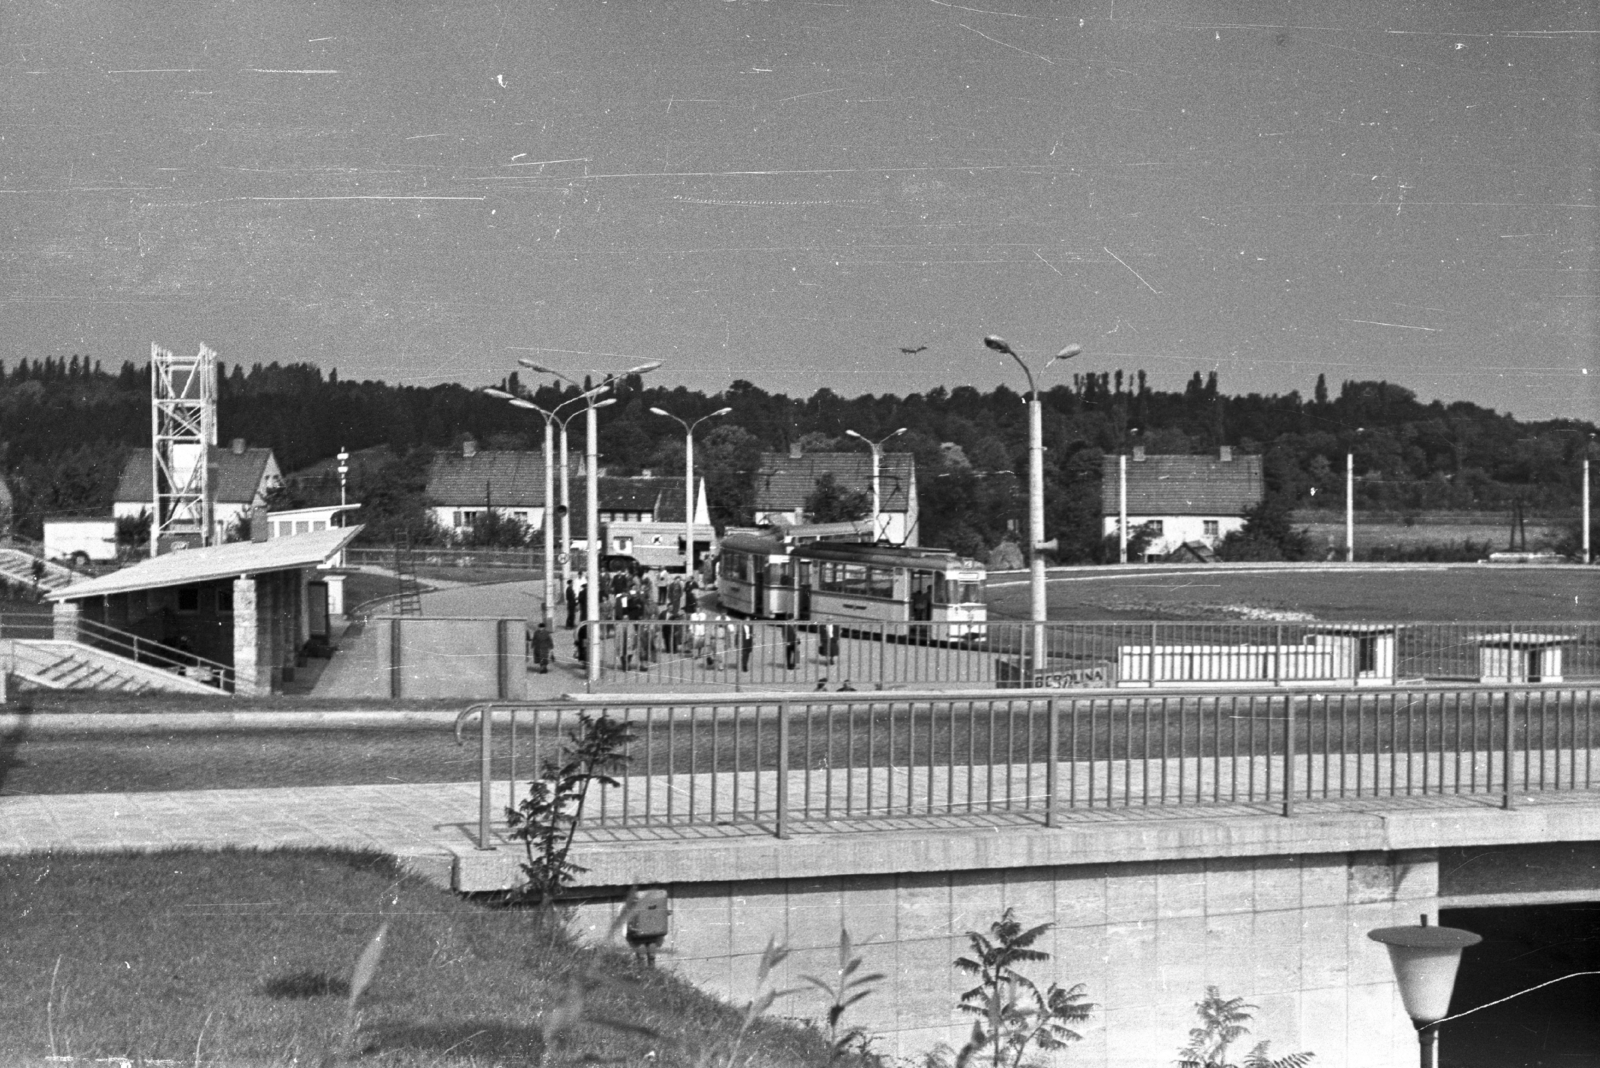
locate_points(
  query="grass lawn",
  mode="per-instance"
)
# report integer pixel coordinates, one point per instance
(244, 958)
(1467, 593)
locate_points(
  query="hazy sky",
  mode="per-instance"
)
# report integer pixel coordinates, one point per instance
(790, 191)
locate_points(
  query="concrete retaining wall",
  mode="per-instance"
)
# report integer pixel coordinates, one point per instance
(1288, 933)
(469, 659)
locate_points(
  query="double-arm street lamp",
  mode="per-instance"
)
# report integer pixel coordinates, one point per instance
(1036, 542)
(592, 486)
(688, 481)
(877, 464)
(550, 419)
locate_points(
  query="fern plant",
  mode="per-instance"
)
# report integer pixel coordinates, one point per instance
(1013, 1014)
(1222, 1023)
(547, 820)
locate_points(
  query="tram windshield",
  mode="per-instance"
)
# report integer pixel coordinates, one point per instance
(958, 587)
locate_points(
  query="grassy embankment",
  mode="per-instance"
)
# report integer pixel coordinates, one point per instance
(244, 958)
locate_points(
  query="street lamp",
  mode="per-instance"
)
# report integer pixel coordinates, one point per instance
(688, 482)
(877, 461)
(1350, 500)
(592, 486)
(1036, 540)
(550, 419)
(1425, 960)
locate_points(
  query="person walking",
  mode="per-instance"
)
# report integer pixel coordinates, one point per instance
(543, 646)
(747, 644)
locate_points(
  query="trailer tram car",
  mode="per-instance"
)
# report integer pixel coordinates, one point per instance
(755, 577)
(843, 582)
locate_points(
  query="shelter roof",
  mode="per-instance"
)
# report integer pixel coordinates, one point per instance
(784, 481)
(188, 566)
(236, 476)
(1184, 485)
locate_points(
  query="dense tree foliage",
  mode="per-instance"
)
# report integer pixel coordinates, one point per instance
(66, 426)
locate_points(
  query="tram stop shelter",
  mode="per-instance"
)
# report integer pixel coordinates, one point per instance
(245, 605)
(1516, 656)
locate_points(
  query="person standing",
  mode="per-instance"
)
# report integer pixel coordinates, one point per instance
(543, 646)
(747, 644)
(572, 603)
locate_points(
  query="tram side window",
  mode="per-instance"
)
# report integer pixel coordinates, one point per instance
(857, 580)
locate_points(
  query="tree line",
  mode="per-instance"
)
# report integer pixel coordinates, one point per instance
(68, 424)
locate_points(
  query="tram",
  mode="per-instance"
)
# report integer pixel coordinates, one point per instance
(845, 582)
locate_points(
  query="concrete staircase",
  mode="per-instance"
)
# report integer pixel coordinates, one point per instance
(67, 665)
(17, 569)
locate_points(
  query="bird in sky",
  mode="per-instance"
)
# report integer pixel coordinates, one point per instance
(912, 352)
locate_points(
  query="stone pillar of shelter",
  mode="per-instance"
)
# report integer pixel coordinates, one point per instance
(249, 678)
(64, 617)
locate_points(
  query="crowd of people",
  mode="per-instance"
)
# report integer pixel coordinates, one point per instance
(684, 629)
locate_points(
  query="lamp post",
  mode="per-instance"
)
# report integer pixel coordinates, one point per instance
(1350, 500)
(1036, 540)
(592, 486)
(688, 482)
(877, 463)
(1425, 960)
(549, 491)
(566, 483)
(1588, 556)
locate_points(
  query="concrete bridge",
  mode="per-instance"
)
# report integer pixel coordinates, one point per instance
(1177, 840)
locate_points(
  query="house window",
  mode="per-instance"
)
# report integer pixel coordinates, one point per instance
(1212, 527)
(1156, 527)
(224, 600)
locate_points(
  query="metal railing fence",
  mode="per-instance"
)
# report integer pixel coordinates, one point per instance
(445, 556)
(726, 654)
(773, 762)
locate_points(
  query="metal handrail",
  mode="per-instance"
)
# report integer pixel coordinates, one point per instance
(145, 650)
(1040, 755)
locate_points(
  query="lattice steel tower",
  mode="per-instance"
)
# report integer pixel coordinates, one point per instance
(183, 428)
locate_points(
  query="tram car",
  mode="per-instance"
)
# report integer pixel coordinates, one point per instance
(755, 578)
(844, 582)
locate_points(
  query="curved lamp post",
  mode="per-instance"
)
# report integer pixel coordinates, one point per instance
(1425, 960)
(592, 485)
(1036, 542)
(877, 463)
(688, 481)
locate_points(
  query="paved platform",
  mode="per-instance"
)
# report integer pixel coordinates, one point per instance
(424, 826)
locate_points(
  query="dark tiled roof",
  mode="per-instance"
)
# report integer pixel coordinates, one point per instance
(235, 476)
(1184, 485)
(511, 478)
(783, 482)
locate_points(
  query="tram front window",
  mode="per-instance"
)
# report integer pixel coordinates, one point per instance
(958, 591)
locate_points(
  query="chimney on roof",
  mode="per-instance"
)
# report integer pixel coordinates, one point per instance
(1225, 453)
(469, 449)
(1138, 454)
(238, 446)
(794, 450)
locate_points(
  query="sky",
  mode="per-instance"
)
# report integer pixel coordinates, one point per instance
(793, 191)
